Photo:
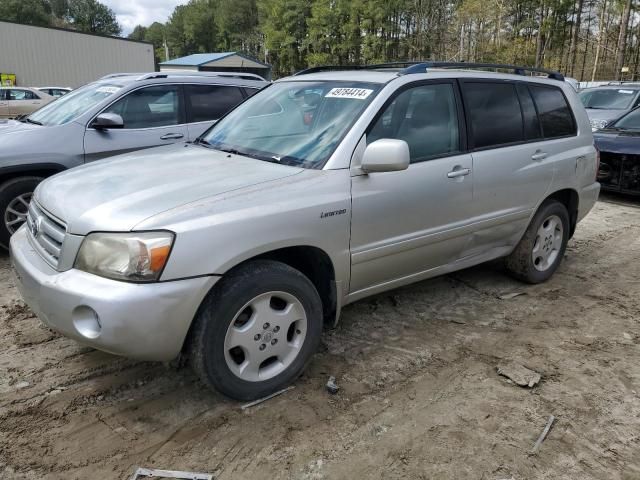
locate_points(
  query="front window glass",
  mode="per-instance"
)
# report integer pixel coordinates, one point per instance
(629, 122)
(74, 104)
(425, 117)
(293, 123)
(608, 98)
(149, 107)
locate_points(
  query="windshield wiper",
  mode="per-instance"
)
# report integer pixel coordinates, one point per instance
(35, 122)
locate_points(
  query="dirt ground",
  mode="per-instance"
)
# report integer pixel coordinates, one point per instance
(420, 397)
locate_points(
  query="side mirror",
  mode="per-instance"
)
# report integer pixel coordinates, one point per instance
(105, 121)
(386, 155)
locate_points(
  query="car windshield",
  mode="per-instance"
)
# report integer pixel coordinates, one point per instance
(629, 122)
(608, 98)
(73, 104)
(297, 123)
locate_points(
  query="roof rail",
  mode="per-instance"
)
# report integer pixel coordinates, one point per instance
(623, 82)
(517, 70)
(421, 67)
(242, 75)
(121, 74)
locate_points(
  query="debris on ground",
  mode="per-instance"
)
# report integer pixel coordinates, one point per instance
(519, 374)
(268, 397)
(332, 386)
(509, 296)
(155, 473)
(543, 435)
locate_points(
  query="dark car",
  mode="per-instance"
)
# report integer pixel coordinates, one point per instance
(619, 146)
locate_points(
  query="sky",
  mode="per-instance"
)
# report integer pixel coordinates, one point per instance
(141, 12)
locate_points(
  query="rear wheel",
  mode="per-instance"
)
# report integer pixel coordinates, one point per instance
(542, 247)
(256, 332)
(15, 196)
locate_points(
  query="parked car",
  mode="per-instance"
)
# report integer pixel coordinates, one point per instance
(55, 91)
(320, 190)
(619, 146)
(119, 113)
(606, 103)
(17, 101)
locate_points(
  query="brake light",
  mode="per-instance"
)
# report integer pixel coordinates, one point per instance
(597, 162)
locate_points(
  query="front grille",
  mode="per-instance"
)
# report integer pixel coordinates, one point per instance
(46, 232)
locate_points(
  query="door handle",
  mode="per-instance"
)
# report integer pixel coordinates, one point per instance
(458, 172)
(539, 155)
(171, 136)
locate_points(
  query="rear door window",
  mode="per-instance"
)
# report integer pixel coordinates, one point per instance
(494, 114)
(554, 112)
(210, 102)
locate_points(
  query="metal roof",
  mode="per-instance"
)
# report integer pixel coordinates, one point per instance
(198, 59)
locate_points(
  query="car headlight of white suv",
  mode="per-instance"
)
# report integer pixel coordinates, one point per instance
(129, 257)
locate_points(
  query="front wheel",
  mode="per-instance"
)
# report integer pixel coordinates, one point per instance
(15, 196)
(256, 332)
(542, 247)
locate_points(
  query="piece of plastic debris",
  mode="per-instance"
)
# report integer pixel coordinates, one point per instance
(509, 296)
(543, 435)
(268, 397)
(519, 374)
(332, 386)
(155, 473)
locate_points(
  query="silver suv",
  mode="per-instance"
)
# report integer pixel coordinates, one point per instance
(117, 114)
(323, 188)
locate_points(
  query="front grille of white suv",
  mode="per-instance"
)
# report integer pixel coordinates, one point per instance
(46, 232)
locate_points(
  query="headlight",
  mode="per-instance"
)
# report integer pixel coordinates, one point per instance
(598, 124)
(130, 257)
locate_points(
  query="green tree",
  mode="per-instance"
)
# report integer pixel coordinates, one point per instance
(92, 16)
(31, 12)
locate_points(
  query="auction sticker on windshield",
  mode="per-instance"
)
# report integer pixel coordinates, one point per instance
(107, 89)
(359, 93)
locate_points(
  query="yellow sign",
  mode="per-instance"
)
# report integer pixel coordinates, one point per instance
(625, 70)
(7, 79)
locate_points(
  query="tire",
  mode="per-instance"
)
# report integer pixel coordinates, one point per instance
(548, 234)
(10, 193)
(229, 346)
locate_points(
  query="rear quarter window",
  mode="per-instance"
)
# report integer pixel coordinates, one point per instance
(554, 113)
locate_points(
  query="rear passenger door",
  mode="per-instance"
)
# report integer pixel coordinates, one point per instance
(152, 116)
(512, 164)
(208, 103)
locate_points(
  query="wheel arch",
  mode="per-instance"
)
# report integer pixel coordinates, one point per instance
(570, 199)
(34, 170)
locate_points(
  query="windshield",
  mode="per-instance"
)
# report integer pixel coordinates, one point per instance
(73, 104)
(608, 98)
(629, 122)
(293, 123)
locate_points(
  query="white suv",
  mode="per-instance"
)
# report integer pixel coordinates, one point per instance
(321, 189)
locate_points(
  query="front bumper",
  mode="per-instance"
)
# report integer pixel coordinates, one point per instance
(144, 321)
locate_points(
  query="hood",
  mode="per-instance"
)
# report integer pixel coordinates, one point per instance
(8, 126)
(618, 142)
(606, 115)
(117, 194)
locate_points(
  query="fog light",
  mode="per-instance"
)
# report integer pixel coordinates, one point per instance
(86, 321)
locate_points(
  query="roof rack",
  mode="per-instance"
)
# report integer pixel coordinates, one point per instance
(242, 75)
(407, 68)
(150, 75)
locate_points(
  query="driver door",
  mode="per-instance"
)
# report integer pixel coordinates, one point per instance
(407, 223)
(152, 116)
